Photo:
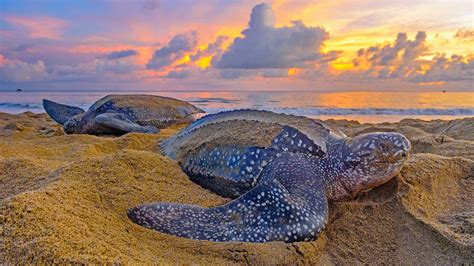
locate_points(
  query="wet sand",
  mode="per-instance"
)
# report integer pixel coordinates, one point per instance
(63, 199)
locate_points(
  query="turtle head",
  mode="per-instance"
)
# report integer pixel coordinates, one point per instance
(372, 159)
(74, 124)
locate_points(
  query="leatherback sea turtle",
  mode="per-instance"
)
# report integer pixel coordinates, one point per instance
(120, 114)
(281, 170)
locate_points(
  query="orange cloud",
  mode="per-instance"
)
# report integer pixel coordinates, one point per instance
(435, 83)
(204, 62)
(341, 64)
(185, 59)
(293, 72)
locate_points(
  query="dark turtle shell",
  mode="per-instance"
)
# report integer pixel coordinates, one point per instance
(146, 110)
(243, 128)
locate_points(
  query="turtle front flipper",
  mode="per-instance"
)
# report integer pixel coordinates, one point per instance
(271, 211)
(60, 113)
(292, 140)
(118, 124)
(227, 171)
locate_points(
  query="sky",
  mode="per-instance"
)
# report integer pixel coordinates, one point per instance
(235, 45)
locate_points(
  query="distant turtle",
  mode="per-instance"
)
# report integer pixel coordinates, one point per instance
(281, 170)
(120, 114)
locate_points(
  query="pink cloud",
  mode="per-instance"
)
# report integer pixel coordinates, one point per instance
(39, 27)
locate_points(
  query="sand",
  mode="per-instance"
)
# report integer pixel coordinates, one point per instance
(63, 199)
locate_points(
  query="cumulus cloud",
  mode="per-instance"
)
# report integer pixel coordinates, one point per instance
(174, 50)
(214, 48)
(443, 68)
(406, 60)
(464, 34)
(265, 46)
(402, 49)
(121, 54)
(19, 71)
(393, 60)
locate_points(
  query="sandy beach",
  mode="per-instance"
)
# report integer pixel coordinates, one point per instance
(63, 199)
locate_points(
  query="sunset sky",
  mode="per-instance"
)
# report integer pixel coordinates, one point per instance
(237, 45)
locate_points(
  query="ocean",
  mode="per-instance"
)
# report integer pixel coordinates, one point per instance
(365, 107)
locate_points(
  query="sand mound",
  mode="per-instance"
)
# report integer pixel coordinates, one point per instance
(441, 194)
(457, 129)
(64, 199)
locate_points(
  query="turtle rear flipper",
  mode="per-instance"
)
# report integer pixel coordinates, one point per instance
(289, 204)
(60, 113)
(268, 212)
(118, 124)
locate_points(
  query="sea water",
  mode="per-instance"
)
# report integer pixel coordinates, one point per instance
(365, 107)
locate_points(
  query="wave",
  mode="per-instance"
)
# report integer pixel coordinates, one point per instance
(32, 106)
(365, 111)
(213, 100)
(305, 111)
